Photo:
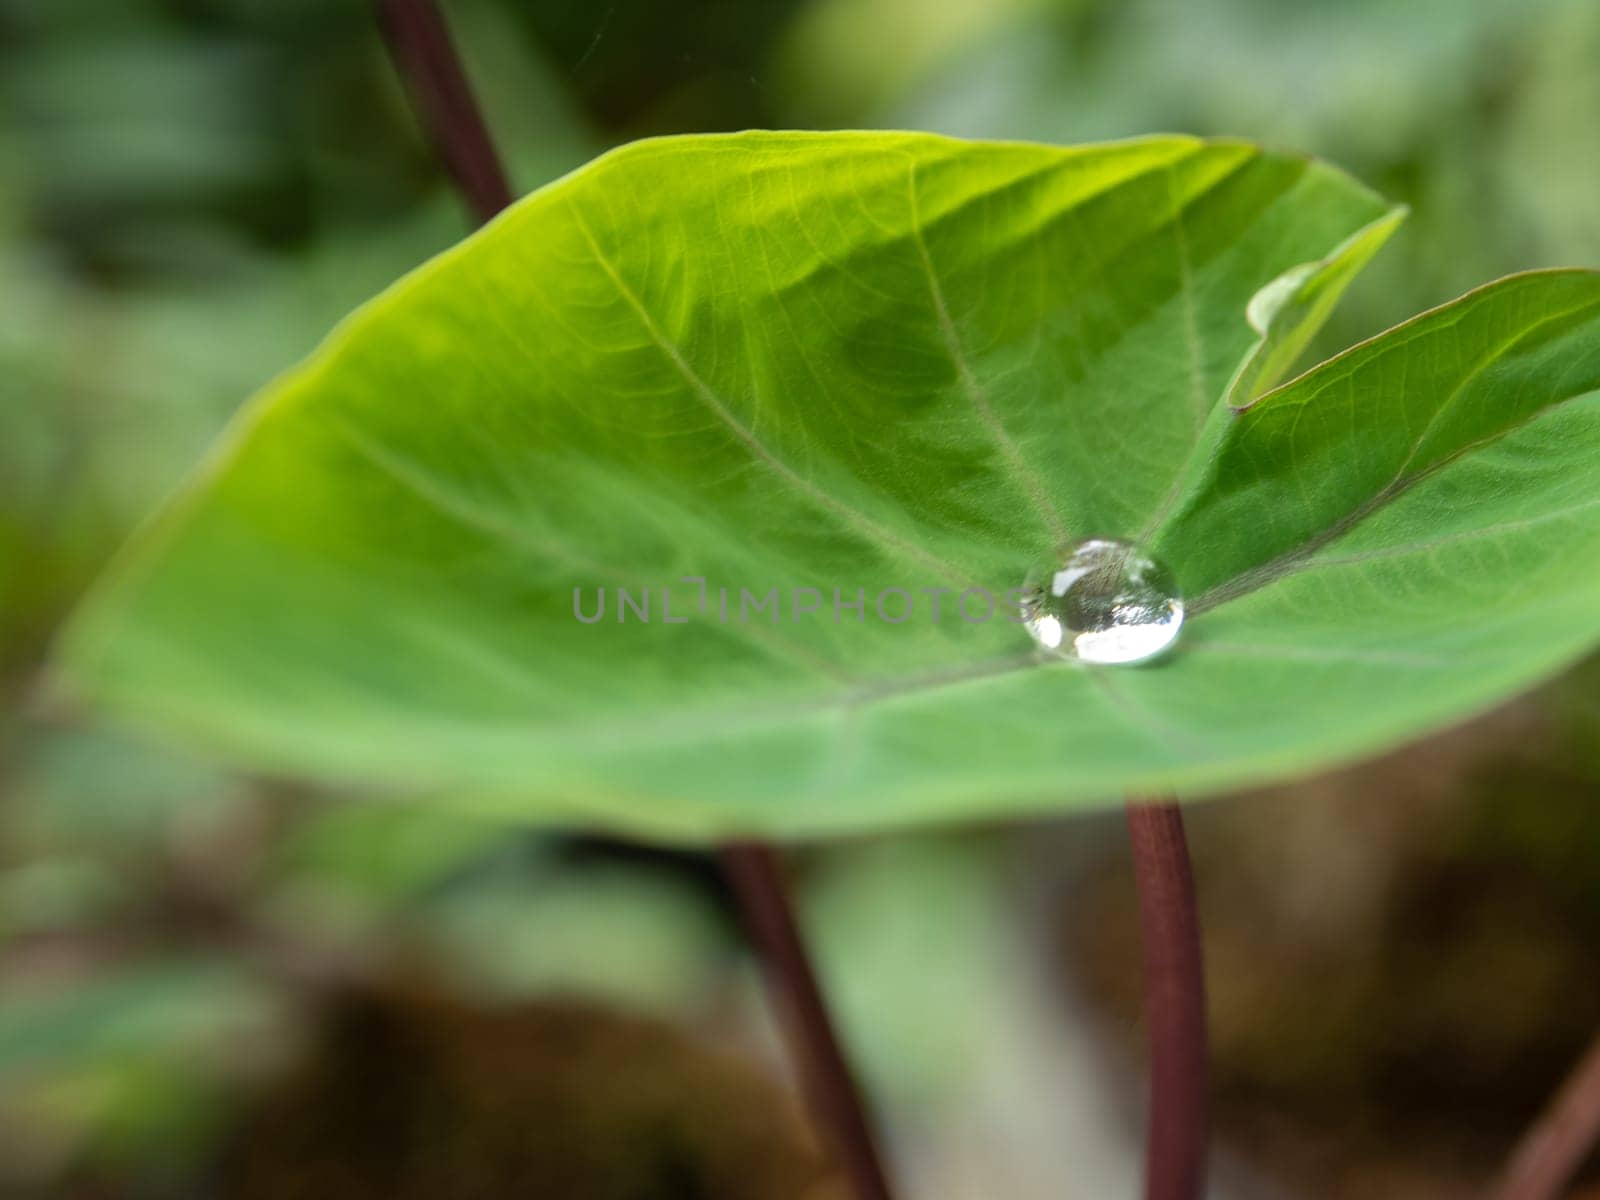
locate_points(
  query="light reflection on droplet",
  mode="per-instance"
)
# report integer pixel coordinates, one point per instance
(1102, 601)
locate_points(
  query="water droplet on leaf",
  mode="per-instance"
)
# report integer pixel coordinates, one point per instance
(1102, 601)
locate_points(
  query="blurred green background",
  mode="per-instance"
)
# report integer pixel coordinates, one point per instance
(221, 986)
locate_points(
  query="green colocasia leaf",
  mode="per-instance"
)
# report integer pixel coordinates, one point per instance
(872, 361)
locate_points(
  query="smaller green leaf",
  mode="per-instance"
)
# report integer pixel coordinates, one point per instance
(1348, 444)
(1288, 312)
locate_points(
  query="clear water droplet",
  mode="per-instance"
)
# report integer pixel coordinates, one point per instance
(1102, 601)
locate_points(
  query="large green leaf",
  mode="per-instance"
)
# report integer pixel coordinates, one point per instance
(871, 361)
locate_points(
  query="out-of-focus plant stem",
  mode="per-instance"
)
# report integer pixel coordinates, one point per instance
(419, 42)
(757, 876)
(1175, 1003)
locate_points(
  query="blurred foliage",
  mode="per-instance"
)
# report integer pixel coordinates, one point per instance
(193, 191)
(128, 1063)
(198, 192)
(641, 68)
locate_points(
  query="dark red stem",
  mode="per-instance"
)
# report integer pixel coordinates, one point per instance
(420, 45)
(1550, 1153)
(1175, 1004)
(757, 877)
(423, 54)
(425, 58)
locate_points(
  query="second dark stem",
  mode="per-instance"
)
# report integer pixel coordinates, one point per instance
(427, 61)
(425, 57)
(756, 875)
(1175, 1004)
